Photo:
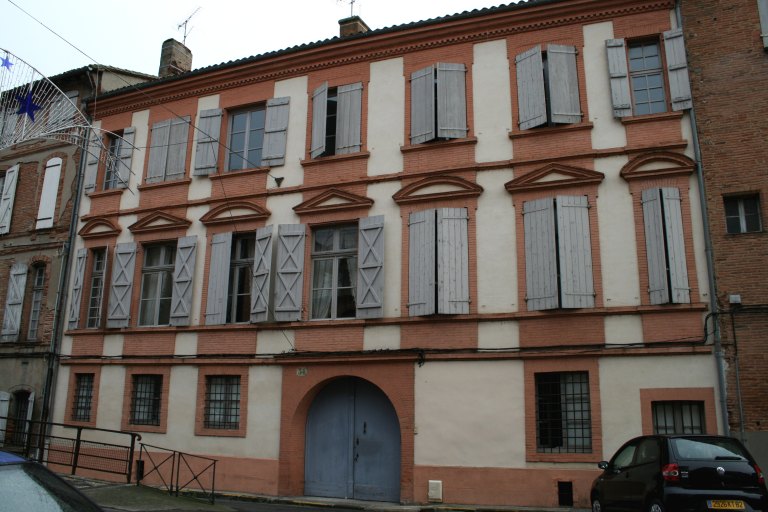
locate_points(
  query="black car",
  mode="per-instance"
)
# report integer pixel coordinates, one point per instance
(679, 473)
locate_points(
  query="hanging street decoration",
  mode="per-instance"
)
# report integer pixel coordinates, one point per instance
(28, 106)
(6, 62)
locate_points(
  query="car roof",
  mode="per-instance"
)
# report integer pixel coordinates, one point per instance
(10, 458)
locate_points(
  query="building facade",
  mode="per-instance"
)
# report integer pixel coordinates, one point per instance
(459, 260)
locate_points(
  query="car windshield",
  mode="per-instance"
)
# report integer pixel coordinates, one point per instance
(708, 448)
(29, 487)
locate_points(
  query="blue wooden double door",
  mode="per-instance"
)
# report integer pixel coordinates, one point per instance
(352, 443)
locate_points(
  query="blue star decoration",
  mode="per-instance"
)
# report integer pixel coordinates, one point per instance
(6, 63)
(28, 106)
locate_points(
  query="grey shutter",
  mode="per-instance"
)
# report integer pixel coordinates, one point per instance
(423, 105)
(119, 310)
(762, 7)
(370, 267)
(563, 82)
(77, 288)
(290, 271)
(262, 268)
(540, 255)
(207, 133)
(451, 101)
(617, 71)
(7, 198)
(275, 131)
(319, 114)
(677, 69)
(575, 252)
(421, 263)
(658, 287)
(531, 97)
(92, 161)
(452, 261)
(183, 279)
(673, 224)
(218, 279)
(47, 208)
(126, 157)
(30, 411)
(177, 151)
(17, 281)
(5, 400)
(158, 151)
(348, 118)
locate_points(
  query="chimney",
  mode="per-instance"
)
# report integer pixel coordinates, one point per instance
(351, 26)
(175, 58)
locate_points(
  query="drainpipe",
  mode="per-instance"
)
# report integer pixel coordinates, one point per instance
(713, 306)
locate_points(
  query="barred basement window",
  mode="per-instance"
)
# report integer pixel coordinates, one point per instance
(563, 418)
(145, 399)
(678, 417)
(222, 402)
(37, 300)
(81, 406)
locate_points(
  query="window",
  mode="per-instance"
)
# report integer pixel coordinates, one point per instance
(38, 283)
(336, 119)
(438, 103)
(241, 271)
(438, 261)
(547, 86)
(558, 253)
(96, 295)
(112, 175)
(222, 402)
(646, 78)
(762, 8)
(665, 246)
(563, 418)
(145, 399)
(119, 156)
(334, 271)
(157, 284)
(742, 214)
(81, 405)
(246, 138)
(168, 150)
(7, 197)
(678, 417)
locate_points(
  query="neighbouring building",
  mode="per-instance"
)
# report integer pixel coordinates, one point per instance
(457, 260)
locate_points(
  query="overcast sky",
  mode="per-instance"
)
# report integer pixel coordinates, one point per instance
(129, 33)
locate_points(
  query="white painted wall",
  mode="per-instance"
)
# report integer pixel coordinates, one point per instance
(699, 242)
(623, 329)
(110, 407)
(382, 193)
(275, 342)
(491, 101)
(381, 337)
(292, 171)
(186, 344)
(200, 188)
(386, 115)
(496, 335)
(62, 393)
(113, 345)
(282, 209)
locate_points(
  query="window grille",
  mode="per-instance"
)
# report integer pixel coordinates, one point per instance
(563, 417)
(145, 400)
(37, 300)
(222, 402)
(81, 406)
(678, 417)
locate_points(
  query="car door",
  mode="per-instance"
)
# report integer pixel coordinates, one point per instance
(642, 478)
(615, 481)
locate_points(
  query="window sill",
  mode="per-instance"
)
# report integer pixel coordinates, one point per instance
(534, 132)
(316, 162)
(216, 432)
(649, 118)
(438, 144)
(105, 193)
(234, 174)
(560, 457)
(164, 184)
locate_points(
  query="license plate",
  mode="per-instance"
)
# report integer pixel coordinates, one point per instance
(725, 505)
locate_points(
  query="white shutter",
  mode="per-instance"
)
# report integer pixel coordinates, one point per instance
(218, 279)
(423, 105)
(319, 114)
(348, 118)
(262, 267)
(47, 208)
(452, 261)
(5, 400)
(531, 97)
(119, 310)
(575, 252)
(7, 198)
(677, 69)
(370, 267)
(275, 131)
(680, 293)
(30, 411)
(158, 151)
(290, 271)
(451, 101)
(183, 280)
(177, 151)
(421, 263)
(540, 255)
(125, 158)
(563, 82)
(207, 150)
(77, 288)
(92, 161)
(658, 287)
(619, 75)
(17, 282)
(762, 7)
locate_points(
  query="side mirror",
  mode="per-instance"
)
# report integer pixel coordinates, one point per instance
(602, 465)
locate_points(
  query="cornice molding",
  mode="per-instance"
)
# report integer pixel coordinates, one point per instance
(167, 221)
(460, 186)
(347, 201)
(218, 215)
(675, 164)
(572, 176)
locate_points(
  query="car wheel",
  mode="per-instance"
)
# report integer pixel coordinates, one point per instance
(656, 506)
(597, 506)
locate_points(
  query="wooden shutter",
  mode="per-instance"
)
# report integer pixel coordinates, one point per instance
(348, 118)
(451, 101)
(319, 114)
(77, 288)
(617, 71)
(421, 263)
(531, 97)
(119, 309)
(218, 279)
(658, 287)
(563, 82)
(7, 197)
(47, 209)
(183, 280)
(290, 271)
(5, 400)
(540, 255)
(207, 150)
(62, 111)
(423, 105)
(262, 267)
(677, 69)
(575, 252)
(125, 158)
(762, 8)
(158, 151)
(17, 282)
(680, 292)
(92, 161)
(177, 151)
(275, 131)
(452, 261)
(370, 267)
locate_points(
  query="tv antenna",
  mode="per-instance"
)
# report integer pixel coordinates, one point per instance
(184, 24)
(351, 6)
